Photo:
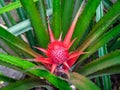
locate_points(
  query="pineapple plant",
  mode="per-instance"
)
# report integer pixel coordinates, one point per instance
(74, 38)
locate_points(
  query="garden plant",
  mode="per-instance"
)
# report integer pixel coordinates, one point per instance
(60, 44)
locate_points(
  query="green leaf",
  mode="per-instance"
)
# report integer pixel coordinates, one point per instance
(67, 11)
(106, 82)
(36, 21)
(85, 19)
(20, 28)
(6, 79)
(8, 19)
(101, 26)
(11, 6)
(24, 84)
(82, 83)
(42, 11)
(107, 4)
(102, 51)
(56, 22)
(106, 71)
(115, 45)
(16, 42)
(101, 41)
(109, 60)
(29, 35)
(77, 6)
(24, 65)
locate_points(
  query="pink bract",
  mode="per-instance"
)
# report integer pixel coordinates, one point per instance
(57, 54)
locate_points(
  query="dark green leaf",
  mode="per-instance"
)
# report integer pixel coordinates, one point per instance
(36, 20)
(16, 42)
(108, 71)
(6, 79)
(101, 26)
(26, 66)
(24, 84)
(101, 41)
(109, 60)
(114, 46)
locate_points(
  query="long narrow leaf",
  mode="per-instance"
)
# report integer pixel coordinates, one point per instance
(82, 83)
(6, 79)
(16, 42)
(102, 51)
(84, 20)
(77, 6)
(26, 66)
(36, 21)
(102, 41)
(67, 10)
(109, 60)
(20, 28)
(8, 19)
(11, 6)
(42, 11)
(24, 84)
(22, 15)
(115, 46)
(101, 26)
(108, 71)
(56, 23)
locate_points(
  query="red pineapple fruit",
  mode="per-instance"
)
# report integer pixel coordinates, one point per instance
(58, 56)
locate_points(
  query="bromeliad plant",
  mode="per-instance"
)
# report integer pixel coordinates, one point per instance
(58, 56)
(72, 34)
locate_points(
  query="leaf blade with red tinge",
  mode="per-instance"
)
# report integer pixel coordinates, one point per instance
(25, 66)
(84, 20)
